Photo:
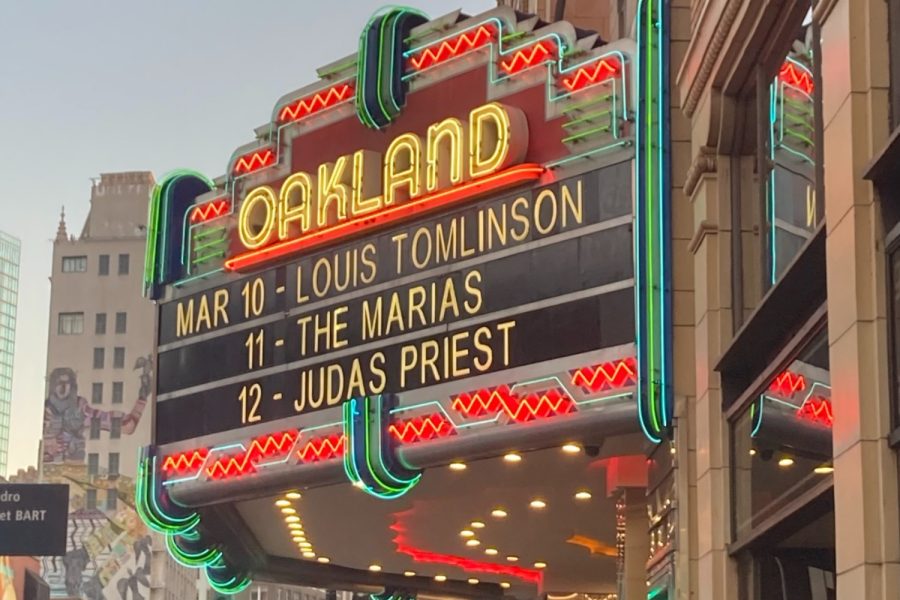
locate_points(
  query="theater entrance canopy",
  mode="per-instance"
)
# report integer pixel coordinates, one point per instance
(416, 340)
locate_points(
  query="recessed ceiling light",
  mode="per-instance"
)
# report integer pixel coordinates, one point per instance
(473, 542)
(324, 559)
(824, 470)
(672, 450)
(513, 457)
(440, 578)
(473, 581)
(309, 554)
(295, 526)
(491, 551)
(505, 585)
(305, 545)
(571, 448)
(282, 503)
(786, 462)
(289, 511)
(582, 495)
(477, 525)
(299, 538)
(540, 565)
(294, 496)
(409, 573)
(458, 466)
(538, 503)
(752, 451)
(375, 568)
(512, 558)
(467, 533)
(292, 519)
(498, 513)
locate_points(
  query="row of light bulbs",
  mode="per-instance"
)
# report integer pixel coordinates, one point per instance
(295, 527)
(376, 568)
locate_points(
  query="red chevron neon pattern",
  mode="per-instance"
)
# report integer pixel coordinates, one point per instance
(315, 103)
(237, 465)
(210, 210)
(501, 399)
(465, 42)
(323, 448)
(529, 57)
(787, 384)
(607, 376)
(589, 75)
(817, 410)
(419, 429)
(185, 463)
(482, 402)
(254, 161)
(796, 77)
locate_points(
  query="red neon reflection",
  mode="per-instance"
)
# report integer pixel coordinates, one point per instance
(589, 75)
(185, 462)
(788, 383)
(419, 429)
(797, 77)
(467, 564)
(528, 57)
(452, 48)
(430, 202)
(817, 410)
(254, 161)
(323, 448)
(533, 406)
(267, 446)
(315, 103)
(210, 210)
(607, 376)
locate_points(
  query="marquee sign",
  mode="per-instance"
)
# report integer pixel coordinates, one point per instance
(460, 229)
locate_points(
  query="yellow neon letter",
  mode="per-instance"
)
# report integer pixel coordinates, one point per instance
(333, 189)
(451, 152)
(498, 137)
(294, 203)
(402, 168)
(366, 182)
(254, 230)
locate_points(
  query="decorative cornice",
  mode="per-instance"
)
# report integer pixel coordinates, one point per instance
(704, 162)
(711, 56)
(704, 229)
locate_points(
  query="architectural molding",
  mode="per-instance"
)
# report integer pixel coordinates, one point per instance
(711, 56)
(704, 229)
(704, 162)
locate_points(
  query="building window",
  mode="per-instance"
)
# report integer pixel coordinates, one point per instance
(91, 499)
(894, 283)
(118, 358)
(113, 464)
(115, 428)
(93, 463)
(123, 264)
(74, 264)
(99, 358)
(104, 264)
(112, 499)
(117, 392)
(121, 322)
(96, 393)
(100, 324)
(95, 428)
(71, 323)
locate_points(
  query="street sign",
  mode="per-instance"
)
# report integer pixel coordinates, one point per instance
(33, 519)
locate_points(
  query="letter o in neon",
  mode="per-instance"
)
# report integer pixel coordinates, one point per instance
(255, 229)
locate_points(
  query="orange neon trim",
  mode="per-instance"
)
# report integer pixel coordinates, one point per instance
(612, 375)
(312, 104)
(798, 78)
(421, 428)
(585, 76)
(424, 204)
(254, 161)
(185, 462)
(817, 410)
(245, 463)
(452, 48)
(519, 409)
(528, 57)
(323, 448)
(788, 383)
(210, 210)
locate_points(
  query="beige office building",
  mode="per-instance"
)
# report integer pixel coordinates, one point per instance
(97, 411)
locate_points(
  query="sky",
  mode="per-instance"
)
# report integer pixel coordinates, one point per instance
(110, 85)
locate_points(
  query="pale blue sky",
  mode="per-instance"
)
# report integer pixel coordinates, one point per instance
(98, 86)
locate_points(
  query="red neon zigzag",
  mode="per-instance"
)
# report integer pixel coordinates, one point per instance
(531, 407)
(422, 428)
(817, 410)
(324, 448)
(791, 75)
(312, 104)
(613, 375)
(788, 383)
(185, 462)
(452, 48)
(603, 70)
(245, 463)
(521, 61)
(210, 210)
(254, 161)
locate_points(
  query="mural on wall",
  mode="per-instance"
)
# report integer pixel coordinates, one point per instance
(109, 548)
(7, 580)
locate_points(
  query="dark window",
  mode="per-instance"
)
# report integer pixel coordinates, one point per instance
(121, 322)
(123, 264)
(93, 463)
(95, 428)
(96, 393)
(894, 264)
(100, 324)
(71, 323)
(113, 464)
(115, 428)
(117, 392)
(99, 358)
(118, 357)
(91, 499)
(74, 264)
(112, 499)
(104, 264)
(894, 51)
